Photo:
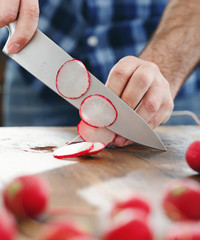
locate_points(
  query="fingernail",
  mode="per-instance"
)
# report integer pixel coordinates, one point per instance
(14, 48)
(119, 141)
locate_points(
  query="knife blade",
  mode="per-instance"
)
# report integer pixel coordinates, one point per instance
(43, 58)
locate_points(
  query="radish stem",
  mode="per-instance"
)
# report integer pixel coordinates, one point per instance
(188, 113)
(70, 142)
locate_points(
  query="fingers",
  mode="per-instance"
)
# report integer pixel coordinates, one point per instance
(138, 85)
(121, 73)
(26, 26)
(121, 141)
(8, 11)
(142, 86)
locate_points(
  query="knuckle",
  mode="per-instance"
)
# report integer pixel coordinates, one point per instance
(153, 66)
(143, 79)
(151, 106)
(9, 16)
(119, 72)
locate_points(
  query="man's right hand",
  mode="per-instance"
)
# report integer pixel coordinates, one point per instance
(27, 13)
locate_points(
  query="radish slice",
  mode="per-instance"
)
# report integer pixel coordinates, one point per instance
(93, 134)
(73, 150)
(98, 111)
(98, 147)
(73, 79)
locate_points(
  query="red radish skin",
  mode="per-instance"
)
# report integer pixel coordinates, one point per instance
(135, 202)
(83, 238)
(181, 200)
(98, 111)
(98, 147)
(193, 156)
(26, 196)
(130, 225)
(93, 134)
(73, 79)
(8, 226)
(183, 231)
(73, 150)
(62, 230)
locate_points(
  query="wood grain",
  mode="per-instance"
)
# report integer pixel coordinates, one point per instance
(95, 183)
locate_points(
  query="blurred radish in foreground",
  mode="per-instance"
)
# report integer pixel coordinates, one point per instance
(181, 200)
(26, 196)
(183, 231)
(8, 226)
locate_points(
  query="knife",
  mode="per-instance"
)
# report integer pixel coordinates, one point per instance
(43, 58)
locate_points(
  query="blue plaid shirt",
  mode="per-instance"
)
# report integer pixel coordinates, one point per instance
(100, 32)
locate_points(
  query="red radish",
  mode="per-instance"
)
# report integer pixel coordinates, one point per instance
(93, 134)
(83, 238)
(193, 156)
(73, 150)
(98, 147)
(129, 225)
(183, 231)
(98, 111)
(8, 226)
(135, 202)
(181, 200)
(73, 79)
(62, 230)
(26, 196)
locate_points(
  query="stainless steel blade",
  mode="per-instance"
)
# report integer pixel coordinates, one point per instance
(43, 58)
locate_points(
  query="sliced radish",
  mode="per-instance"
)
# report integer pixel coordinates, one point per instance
(73, 150)
(73, 79)
(98, 147)
(98, 111)
(93, 134)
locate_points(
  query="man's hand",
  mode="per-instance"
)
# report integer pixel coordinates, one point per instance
(27, 13)
(141, 85)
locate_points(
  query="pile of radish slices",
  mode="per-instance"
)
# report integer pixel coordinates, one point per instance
(96, 111)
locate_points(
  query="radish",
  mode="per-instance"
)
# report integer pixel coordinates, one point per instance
(129, 225)
(26, 196)
(73, 79)
(93, 134)
(73, 150)
(8, 226)
(98, 147)
(98, 111)
(193, 156)
(181, 200)
(135, 202)
(183, 231)
(62, 230)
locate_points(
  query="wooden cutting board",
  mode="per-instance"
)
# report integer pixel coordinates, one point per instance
(95, 183)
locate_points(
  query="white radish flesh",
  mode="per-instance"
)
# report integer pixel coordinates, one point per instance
(93, 134)
(98, 147)
(73, 79)
(73, 150)
(98, 111)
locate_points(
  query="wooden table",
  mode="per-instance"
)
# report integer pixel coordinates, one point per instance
(95, 183)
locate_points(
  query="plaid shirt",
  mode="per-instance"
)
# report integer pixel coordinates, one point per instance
(100, 32)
